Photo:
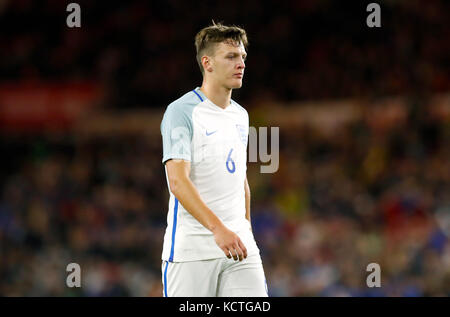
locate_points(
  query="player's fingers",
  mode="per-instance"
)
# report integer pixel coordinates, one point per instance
(234, 253)
(243, 248)
(239, 251)
(227, 252)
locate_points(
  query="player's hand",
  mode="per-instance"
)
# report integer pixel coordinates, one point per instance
(230, 243)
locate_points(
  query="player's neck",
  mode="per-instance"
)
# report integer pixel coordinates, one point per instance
(219, 95)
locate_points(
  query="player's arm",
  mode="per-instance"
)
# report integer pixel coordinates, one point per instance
(187, 194)
(247, 200)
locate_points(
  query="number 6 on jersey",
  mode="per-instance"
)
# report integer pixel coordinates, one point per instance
(229, 159)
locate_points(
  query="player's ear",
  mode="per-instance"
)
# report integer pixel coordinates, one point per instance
(206, 62)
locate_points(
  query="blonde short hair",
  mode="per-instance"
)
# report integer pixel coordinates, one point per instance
(207, 38)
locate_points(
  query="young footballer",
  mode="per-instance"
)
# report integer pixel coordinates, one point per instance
(209, 248)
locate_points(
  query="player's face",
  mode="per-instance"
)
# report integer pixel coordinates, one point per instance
(229, 64)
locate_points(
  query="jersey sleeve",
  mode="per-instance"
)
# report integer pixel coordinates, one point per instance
(176, 131)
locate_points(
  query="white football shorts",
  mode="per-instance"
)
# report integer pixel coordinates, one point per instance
(221, 277)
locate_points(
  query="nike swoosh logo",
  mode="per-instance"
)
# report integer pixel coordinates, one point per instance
(208, 134)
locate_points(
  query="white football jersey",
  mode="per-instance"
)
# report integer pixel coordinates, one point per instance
(214, 140)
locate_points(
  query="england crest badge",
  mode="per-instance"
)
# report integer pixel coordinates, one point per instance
(243, 133)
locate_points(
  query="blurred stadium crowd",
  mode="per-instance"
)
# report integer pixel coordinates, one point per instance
(143, 51)
(355, 197)
(335, 205)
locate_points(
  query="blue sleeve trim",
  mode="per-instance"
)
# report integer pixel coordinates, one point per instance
(198, 95)
(174, 230)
